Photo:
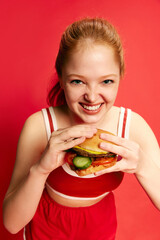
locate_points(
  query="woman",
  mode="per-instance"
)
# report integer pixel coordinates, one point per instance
(42, 195)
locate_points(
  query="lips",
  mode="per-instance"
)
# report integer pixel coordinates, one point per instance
(91, 108)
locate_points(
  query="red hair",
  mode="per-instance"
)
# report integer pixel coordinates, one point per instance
(56, 95)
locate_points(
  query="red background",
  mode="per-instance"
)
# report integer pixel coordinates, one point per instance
(30, 34)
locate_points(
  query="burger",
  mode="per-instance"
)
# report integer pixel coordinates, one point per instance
(87, 158)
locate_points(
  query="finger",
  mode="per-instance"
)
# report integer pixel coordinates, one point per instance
(71, 143)
(81, 127)
(121, 151)
(114, 168)
(118, 141)
(75, 133)
(119, 166)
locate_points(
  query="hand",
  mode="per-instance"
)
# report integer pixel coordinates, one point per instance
(129, 151)
(60, 141)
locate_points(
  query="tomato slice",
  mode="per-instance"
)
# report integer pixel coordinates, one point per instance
(103, 160)
(69, 157)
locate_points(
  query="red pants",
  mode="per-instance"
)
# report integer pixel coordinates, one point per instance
(53, 221)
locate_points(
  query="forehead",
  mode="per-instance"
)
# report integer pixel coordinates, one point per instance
(92, 60)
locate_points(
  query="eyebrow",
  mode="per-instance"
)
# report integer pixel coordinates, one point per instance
(74, 75)
(102, 77)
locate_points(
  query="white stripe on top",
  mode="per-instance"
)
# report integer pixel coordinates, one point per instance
(128, 120)
(127, 125)
(120, 124)
(46, 120)
(75, 198)
(24, 233)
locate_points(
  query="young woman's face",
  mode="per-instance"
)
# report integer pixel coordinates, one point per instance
(90, 80)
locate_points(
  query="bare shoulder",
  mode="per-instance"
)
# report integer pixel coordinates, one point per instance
(34, 129)
(31, 144)
(142, 133)
(139, 127)
(33, 139)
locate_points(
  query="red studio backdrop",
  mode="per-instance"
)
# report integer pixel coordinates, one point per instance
(30, 34)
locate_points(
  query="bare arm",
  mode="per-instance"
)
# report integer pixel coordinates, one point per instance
(148, 168)
(140, 155)
(36, 158)
(27, 182)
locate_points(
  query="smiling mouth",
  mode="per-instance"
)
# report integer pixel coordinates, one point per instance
(91, 108)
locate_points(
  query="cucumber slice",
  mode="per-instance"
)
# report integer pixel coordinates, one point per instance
(82, 162)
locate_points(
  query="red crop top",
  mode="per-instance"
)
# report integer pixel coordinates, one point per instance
(67, 183)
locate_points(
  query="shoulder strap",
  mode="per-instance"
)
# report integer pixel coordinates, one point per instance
(50, 120)
(124, 123)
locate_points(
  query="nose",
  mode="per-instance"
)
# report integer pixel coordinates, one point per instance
(91, 95)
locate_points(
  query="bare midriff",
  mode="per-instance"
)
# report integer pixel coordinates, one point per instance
(72, 202)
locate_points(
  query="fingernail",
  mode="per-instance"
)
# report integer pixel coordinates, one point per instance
(102, 135)
(102, 144)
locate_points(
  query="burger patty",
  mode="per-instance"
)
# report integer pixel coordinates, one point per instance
(84, 153)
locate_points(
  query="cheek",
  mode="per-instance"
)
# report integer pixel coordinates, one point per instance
(74, 93)
(71, 95)
(110, 95)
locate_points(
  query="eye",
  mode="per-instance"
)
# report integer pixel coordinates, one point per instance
(76, 81)
(108, 81)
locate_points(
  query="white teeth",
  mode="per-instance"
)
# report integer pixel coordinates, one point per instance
(91, 108)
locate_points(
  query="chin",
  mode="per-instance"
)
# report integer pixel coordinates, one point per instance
(91, 119)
